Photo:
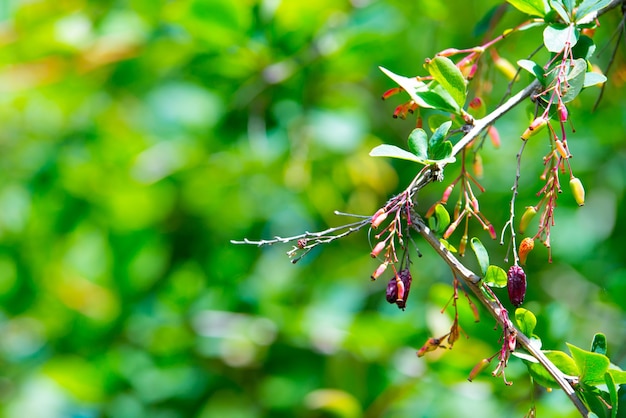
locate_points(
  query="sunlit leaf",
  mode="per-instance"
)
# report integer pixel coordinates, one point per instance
(481, 254)
(588, 10)
(447, 74)
(610, 385)
(557, 36)
(386, 150)
(495, 277)
(558, 7)
(437, 97)
(575, 80)
(447, 245)
(593, 79)
(592, 366)
(418, 143)
(533, 68)
(411, 85)
(619, 376)
(531, 7)
(441, 219)
(561, 360)
(526, 321)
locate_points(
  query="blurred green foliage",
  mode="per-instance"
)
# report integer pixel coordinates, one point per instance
(138, 137)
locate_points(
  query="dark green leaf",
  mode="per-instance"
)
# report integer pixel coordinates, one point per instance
(442, 152)
(592, 366)
(441, 219)
(610, 385)
(526, 321)
(448, 75)
(495, 277)
(556, 36)
(392, 151)
(436, 97)
(598, 345)
(418, 143)
(481, 254)
(531, 7)
(439, 135)
(584, 48)
(595, 399)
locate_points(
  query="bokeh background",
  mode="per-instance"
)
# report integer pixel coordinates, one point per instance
(138, 137)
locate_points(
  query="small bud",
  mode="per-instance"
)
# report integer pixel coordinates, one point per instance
(577, 190)
(492, 231)
(535, 127)
(516, 285)
(528, 216)
(391, 92)
(494, 136)
(462, 245)
(505, 68)
(478, 165)
(478, 368)
(469, 71)
(377, 249)
(379, 217)
(446, 194)
(431, 345)
(525, 247)
(560, 147)
(562, 112)
(302, 243)
(448, 52)
(380, 270)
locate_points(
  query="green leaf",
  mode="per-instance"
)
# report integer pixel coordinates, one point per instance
(531, 7)
(533, 68)
(598, 345)
(588, 10)
(593, 79)
(418, 143)
(439, 135)
(556, 36)
(386, 150)
(441, 219)
(447, 245)
(619, 376)
(411, 85)
(558, 7)
(495, 277)
(561, 360)
(575, 80)
(481, 254)
(437, 97)
(584, 48)
(526, 321)
(446, 73)
(610, 384)
(592, 366)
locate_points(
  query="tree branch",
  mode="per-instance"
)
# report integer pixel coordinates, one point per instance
(472, 281)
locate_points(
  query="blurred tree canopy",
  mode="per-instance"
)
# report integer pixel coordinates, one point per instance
(138, 137)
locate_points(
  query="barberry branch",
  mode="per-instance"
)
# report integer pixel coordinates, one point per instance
(494, 306)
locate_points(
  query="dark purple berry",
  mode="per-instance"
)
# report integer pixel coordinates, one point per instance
(516, 285)
(399, 292)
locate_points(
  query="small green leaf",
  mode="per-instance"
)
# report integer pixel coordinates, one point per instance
(526, 321)
(392, 151)
(592, 366)
(441, 217)
(531, 7)
(481, 254)
(558, 7)
(593, 79)
(447, 245)
(584, 48)
(446, 73)
(598, 345)
(619, 376)
(495, 277)
(556, 36)
(442, 152)
(561, 360)
(533, 68)
(411, 85)
(610, 385)
(440, 134)
(418, 143)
